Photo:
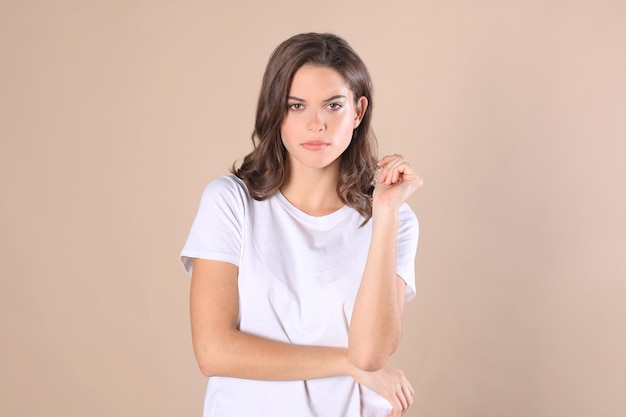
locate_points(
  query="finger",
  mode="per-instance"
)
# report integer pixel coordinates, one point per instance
(398, 171)
(397, 407)
(390, 161)
(393, 169)
(378, 174)
(401, 395)
(406, 173)
(386, 159)
(382, 164)
(408, 393)
(396, 163)
(411, 388)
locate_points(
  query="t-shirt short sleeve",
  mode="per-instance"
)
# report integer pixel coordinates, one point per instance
(217, 230)
(408, 234)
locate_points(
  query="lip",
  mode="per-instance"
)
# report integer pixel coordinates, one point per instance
(315, 145)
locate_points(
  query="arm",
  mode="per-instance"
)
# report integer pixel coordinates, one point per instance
(221, 349)
(377, 316)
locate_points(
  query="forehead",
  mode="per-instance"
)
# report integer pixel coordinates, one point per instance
(318, 80)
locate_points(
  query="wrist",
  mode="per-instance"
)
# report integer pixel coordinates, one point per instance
(346, 367)
(385, 216)
(354, 371)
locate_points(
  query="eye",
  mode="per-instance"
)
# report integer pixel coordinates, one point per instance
(334, 106)
(296, 106)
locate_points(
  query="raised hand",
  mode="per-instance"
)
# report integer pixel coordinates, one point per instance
(395, 182)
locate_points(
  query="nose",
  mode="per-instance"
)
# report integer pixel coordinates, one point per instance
(315, 122)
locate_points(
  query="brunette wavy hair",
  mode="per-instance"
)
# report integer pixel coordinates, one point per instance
(265, 169)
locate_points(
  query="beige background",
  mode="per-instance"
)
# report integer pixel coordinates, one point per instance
(115, 114)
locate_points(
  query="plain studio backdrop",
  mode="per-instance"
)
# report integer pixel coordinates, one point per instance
(115, 114)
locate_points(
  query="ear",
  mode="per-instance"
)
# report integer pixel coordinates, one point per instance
(360, 109)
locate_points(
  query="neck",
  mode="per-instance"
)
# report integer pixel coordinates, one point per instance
(313, 191)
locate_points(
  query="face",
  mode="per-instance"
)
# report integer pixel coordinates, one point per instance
(321, 116)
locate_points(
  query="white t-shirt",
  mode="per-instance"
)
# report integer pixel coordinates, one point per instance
(298, 279)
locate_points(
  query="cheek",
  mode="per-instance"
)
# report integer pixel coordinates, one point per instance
(287, 134)
(346, 127)
(288, 124)
(284, 129)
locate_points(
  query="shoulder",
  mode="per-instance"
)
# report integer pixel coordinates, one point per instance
(226, 194)
(228, 183)
(226, 187)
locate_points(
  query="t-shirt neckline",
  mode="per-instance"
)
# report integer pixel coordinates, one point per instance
(325, 221)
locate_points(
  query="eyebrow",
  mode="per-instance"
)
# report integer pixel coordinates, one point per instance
(328, 99)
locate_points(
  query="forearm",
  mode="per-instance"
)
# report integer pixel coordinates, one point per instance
(223, 350)
(376, 318)
(242, 355)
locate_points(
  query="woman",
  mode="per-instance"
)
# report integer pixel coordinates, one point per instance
(301, 259)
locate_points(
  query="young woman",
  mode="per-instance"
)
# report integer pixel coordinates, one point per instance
(302, 258)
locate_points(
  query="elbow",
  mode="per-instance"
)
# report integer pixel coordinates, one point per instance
(368, 364)
(208, 361)
(207, 372)
(212, 355)
(370, 346)
(207, 368)
(371, 359)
